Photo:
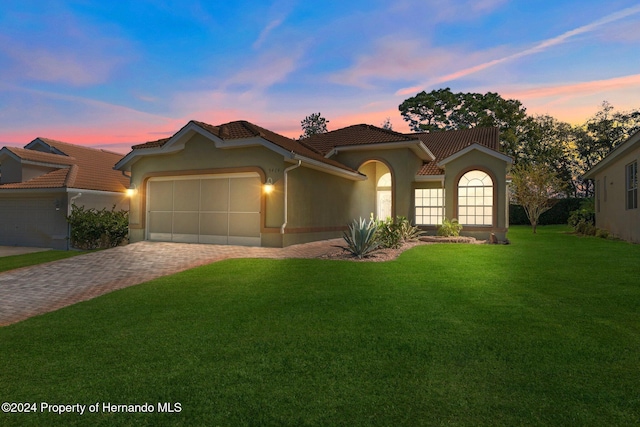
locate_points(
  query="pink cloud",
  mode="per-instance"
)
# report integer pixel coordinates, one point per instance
(394, 59)
(575, 102)
(539, 47)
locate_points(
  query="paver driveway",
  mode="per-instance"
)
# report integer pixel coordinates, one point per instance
(30, 291)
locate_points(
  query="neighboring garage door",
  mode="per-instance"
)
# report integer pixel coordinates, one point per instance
(34, 221)
(218, 209)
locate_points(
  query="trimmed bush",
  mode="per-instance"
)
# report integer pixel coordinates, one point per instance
(94, 229)
(449, 228)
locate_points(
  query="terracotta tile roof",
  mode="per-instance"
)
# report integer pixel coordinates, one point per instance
(53, 179)
(444, 144)
(80, 167)
(242, 129)
(151, 144)
(39, 156)
(354, 135)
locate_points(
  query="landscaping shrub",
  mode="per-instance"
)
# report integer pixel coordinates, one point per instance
(449, 228)
(585, 227)
(392, 234)
(361, 237)
(93, 229)
(584, 215)
(407, 231)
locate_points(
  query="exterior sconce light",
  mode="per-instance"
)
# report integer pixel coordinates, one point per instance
(268, 186)
(131, 191)
(56, 204)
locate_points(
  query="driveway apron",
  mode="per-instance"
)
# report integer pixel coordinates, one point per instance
(39, 289)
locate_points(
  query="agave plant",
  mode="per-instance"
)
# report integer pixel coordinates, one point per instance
(361, 237)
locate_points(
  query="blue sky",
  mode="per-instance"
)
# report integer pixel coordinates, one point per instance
(124, 72)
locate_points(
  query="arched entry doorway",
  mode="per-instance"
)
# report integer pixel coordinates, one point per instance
(380, 188)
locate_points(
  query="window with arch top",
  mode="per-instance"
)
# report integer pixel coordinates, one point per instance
(475, 199)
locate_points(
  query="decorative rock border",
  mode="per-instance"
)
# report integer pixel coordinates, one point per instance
(456, 239)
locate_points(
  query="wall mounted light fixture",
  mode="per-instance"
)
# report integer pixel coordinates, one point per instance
(268, 186)
(131, 191)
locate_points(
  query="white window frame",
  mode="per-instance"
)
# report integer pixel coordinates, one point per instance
(476, 199)
(429, 205)
(631, 193)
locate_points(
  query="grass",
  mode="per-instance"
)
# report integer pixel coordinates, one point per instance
(544, 331)
(18, 261)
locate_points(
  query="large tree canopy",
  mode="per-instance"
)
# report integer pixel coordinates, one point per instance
(568, 150)
(444, 110)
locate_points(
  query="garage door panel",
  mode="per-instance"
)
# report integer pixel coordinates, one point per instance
(162, 195)
(214, 223)
(244, 224)
(186, 195)
(160, 222)
(244, 195)
(214, 195)
(185, 222)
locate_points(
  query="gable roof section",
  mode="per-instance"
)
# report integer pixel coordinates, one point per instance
(447, 144)
(620, 150)
(239, 134)
(75, 166)
(366, 137)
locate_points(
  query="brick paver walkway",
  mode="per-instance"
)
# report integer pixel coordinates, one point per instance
(30, 291)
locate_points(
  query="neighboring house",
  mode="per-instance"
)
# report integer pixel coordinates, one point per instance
(238, 183)
(39, 183)
(616, 183)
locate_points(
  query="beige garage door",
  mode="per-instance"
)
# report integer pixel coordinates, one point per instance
(218, 209)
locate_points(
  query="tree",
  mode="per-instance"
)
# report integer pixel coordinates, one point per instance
(534, 186)
(598, 136)
(387, 124)
(442, 109)
(313, 124)
(549, 141)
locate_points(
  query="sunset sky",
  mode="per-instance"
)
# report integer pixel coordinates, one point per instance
(115, 73)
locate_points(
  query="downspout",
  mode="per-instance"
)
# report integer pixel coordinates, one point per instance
(286, 192)
(69, 213)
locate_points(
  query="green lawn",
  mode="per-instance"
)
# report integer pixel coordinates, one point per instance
(25, 260)
(545, 331)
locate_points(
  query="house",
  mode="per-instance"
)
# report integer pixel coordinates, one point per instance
(616, 183)
(40, 182)
(239, 183)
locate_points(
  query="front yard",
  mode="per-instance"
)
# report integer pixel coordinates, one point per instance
(544, 331)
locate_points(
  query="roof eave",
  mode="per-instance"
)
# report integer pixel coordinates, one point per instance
(475, 146)
(330, 169)
(417, 146)
(430, 178)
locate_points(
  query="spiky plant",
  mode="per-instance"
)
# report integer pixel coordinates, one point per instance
(361, 237)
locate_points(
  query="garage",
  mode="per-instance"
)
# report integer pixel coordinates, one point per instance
(214, 209)
(34, 221)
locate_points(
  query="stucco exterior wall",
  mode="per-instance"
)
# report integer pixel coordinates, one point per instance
(200, 156)
(497, 169)
(611, 212)
(321, 205)
(11, 171)
(403, 165)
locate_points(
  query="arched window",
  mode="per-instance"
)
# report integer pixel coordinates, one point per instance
(475, 199)
(383, 189)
